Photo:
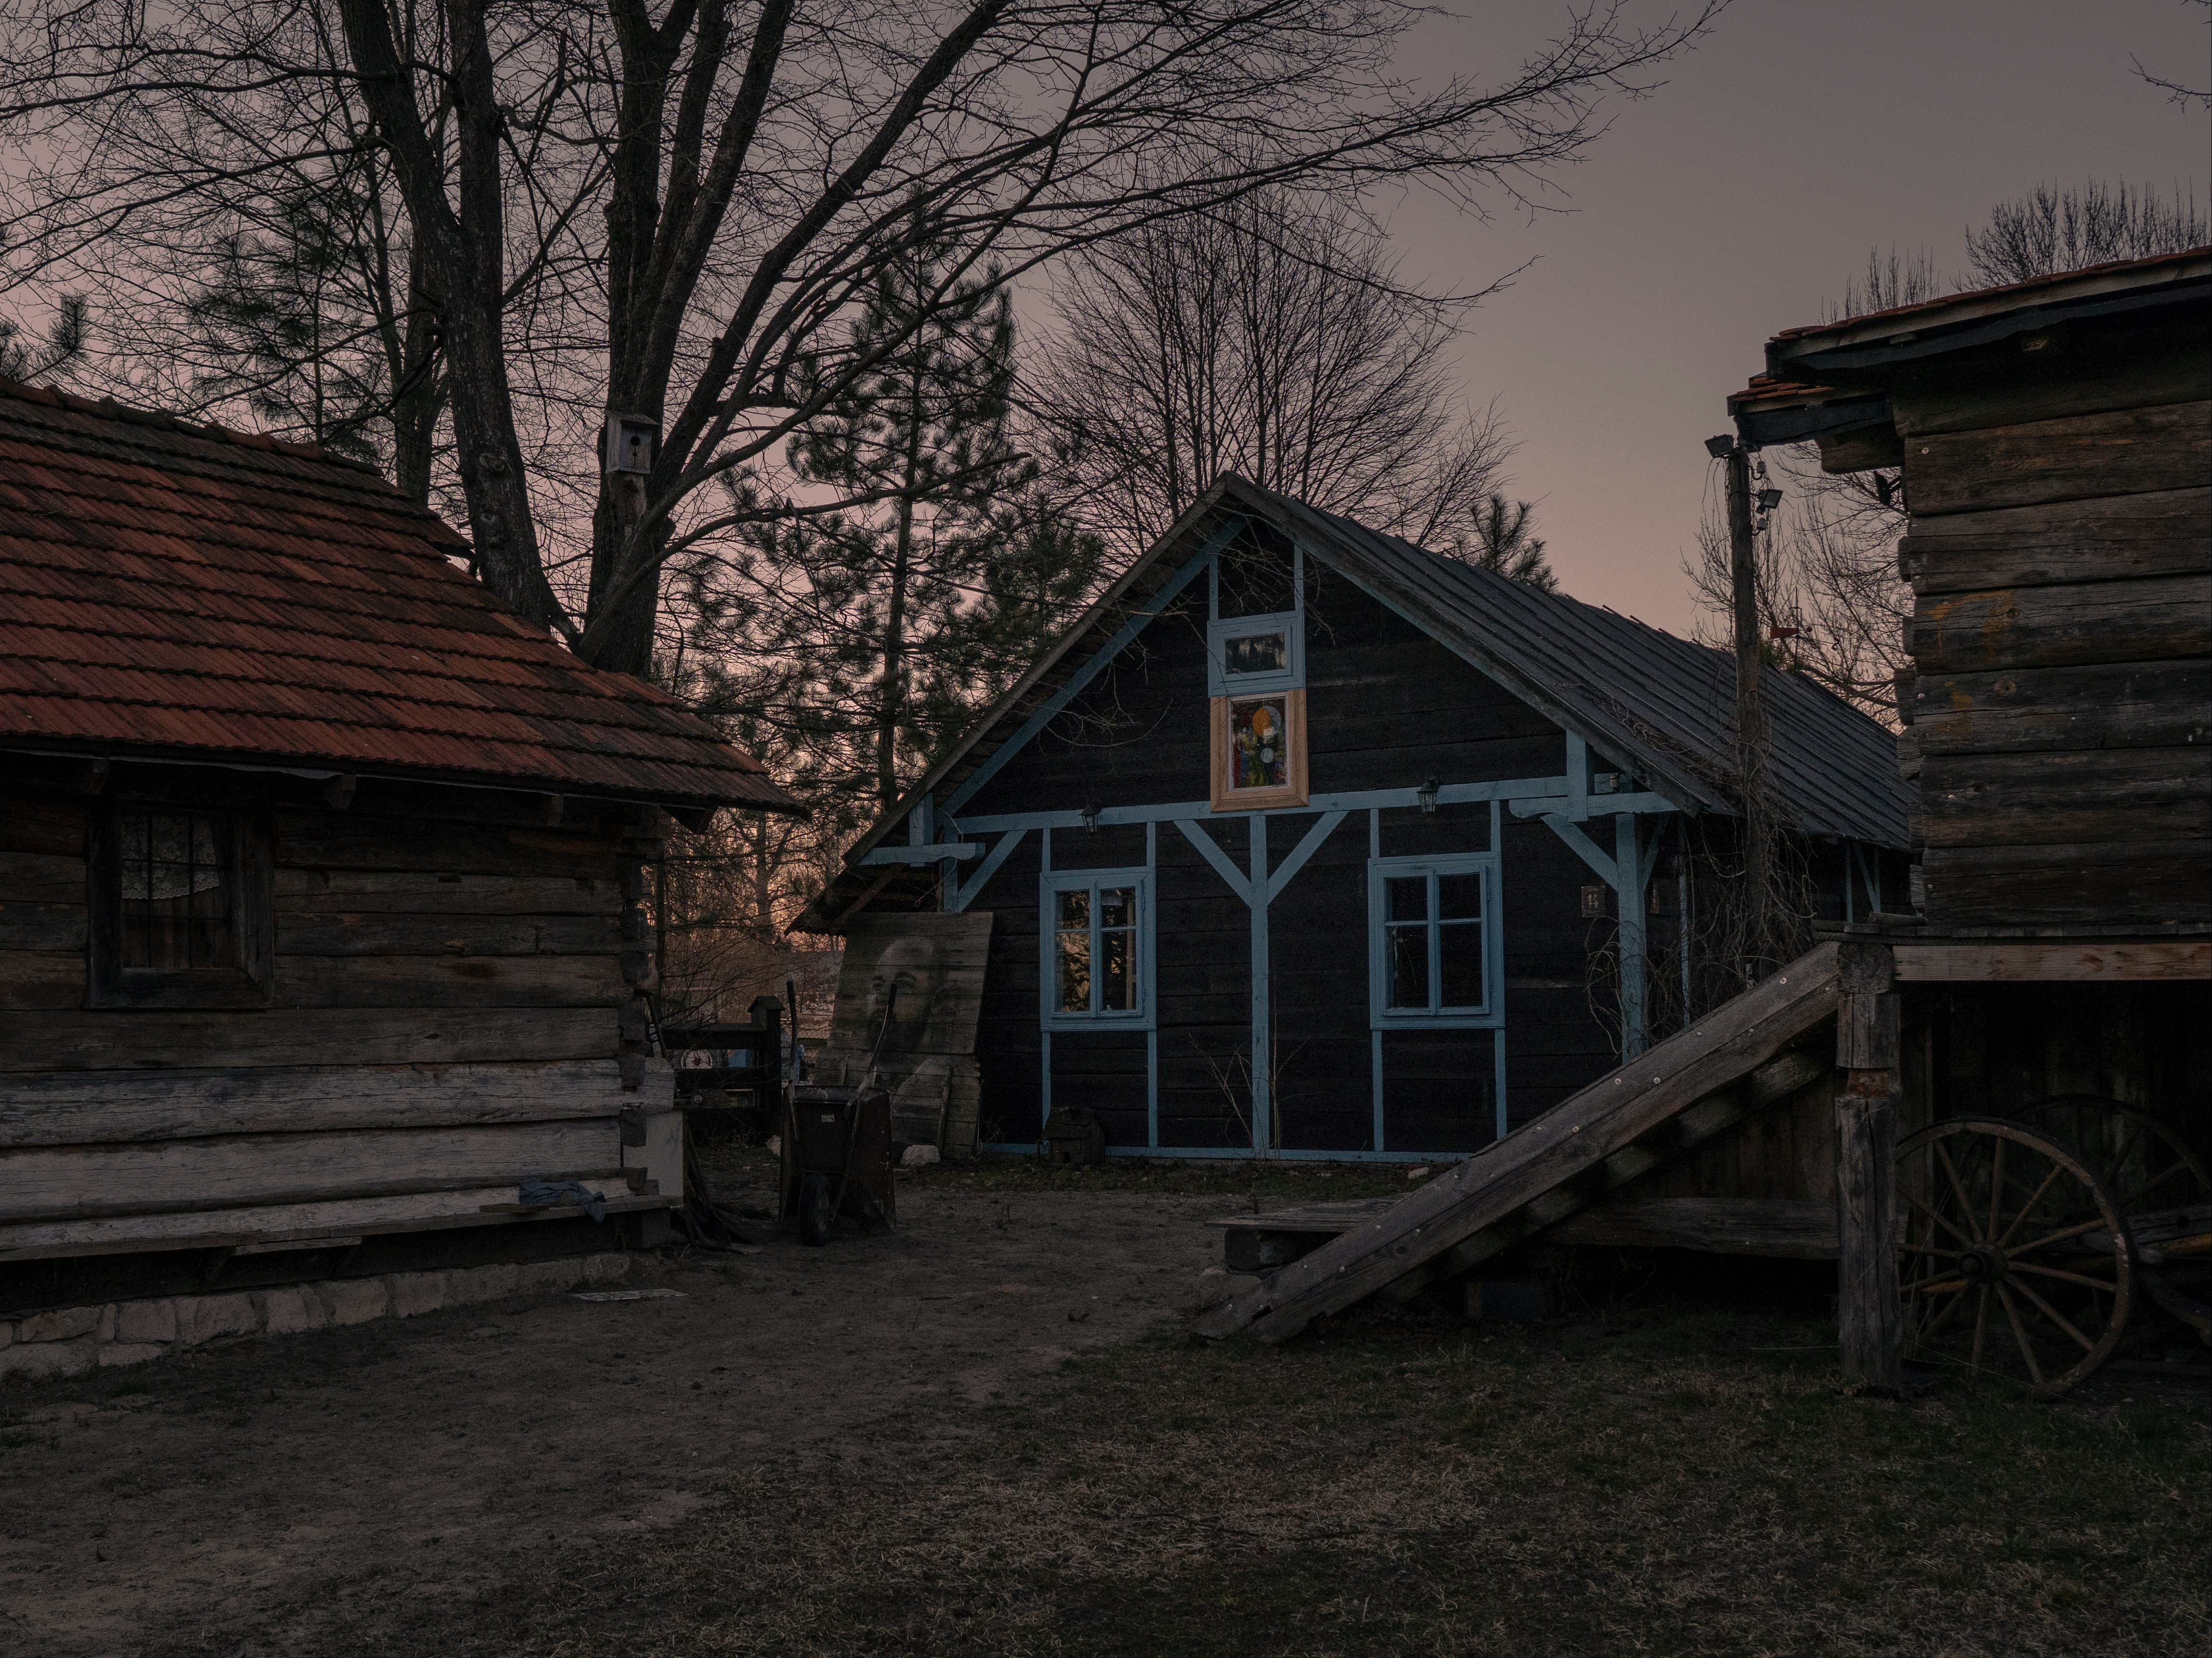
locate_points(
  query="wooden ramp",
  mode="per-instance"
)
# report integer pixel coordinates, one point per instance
(1684, 1091)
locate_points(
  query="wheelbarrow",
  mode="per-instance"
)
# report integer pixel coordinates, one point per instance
(837, 1160)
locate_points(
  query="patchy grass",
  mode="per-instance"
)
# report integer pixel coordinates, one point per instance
(1681, 1477)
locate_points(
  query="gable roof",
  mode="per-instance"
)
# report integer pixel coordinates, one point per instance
(1662, 705)
(176, 590)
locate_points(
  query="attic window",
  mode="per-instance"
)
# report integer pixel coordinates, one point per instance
(179, 910)
(1249, 649)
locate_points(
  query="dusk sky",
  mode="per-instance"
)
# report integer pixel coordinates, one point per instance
(1740, 197)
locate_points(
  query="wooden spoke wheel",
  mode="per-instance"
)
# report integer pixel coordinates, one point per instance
(2016, 1263)
(2135, 1157)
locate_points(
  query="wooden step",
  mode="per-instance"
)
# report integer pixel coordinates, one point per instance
(1687, 1089)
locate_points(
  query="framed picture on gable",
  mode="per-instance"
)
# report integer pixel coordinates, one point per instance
(1259, 752)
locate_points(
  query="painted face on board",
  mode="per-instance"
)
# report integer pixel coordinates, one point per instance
(909, 967)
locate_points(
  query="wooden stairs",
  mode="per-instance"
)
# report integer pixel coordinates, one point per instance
(1740, 1057)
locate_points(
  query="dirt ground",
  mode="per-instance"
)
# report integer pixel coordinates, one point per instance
(987, 1437)
(297, 1486)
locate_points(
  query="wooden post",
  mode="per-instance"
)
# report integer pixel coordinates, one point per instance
(1869, 1322)
(1750, 716)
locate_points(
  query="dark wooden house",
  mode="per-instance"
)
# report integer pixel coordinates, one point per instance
(2000, 1107)
(321, 877)
(1307, 843)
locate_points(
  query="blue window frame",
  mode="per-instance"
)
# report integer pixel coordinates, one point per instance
(1249, 654)
(1096, 961)
(1434, 949)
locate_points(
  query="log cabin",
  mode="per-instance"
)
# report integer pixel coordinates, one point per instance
(1306, 843)
(1994, 1114)
(322, 882)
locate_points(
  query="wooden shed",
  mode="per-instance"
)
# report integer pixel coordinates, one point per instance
(321, 879)
(1307, 843)
(2020, 1076)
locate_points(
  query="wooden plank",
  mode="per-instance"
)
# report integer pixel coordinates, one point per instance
(53, 825)
(41, 878)
(426, 981)
(70, 1182)
(1787, 1228)
(429, 892)
(2005, 962)
(2121, 452)
(2091, 382)
(108, 1107)
(386, 933)
(33, 981)
(2107, 885)
(106, 1040)
(2043, 710)
(1507, 1180)
(336, 840)
(203, 1229)
(41, 926)
(2111, 539)
(2148, 621)
(2107, 794)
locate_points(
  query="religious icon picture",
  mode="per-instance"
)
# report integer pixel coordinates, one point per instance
(1259, 752)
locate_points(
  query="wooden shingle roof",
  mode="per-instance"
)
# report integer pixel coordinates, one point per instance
(172, 590)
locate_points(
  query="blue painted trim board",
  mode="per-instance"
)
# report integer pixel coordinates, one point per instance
(1529, 796)
(1080, 679)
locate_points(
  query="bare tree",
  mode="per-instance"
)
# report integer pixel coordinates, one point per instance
(1270, 338)
(2179, 92)
(2050, 231)
(1832, 605)
(612, 213)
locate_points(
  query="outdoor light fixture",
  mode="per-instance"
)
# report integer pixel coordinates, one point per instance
(1769, 500)
(1426, 794)
(1722, 447)
(1090, 817)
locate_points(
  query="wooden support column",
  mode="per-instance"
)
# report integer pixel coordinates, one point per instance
(1869, 1320)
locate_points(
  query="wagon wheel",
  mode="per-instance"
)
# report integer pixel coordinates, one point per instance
(2016, 1263)
(2136, 1157)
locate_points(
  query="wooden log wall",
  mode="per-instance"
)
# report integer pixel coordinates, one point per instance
(2059, 550)
(443, 1016)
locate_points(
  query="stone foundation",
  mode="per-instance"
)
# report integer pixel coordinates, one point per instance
(76, 1340)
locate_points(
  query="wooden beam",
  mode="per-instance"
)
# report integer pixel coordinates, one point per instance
(2005, 962)
(1869, 1326)
(1554, 1165)
(1787, 1228)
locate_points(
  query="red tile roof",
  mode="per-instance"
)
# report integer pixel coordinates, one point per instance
(175, 589)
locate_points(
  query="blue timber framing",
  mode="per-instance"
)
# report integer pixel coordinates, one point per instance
(1628, 872)
(1078, 682)
(1564, 801)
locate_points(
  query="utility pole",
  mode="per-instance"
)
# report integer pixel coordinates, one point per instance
(1751, 746)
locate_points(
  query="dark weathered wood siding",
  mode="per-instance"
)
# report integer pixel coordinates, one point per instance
(2060, 553)
(1387, 706)
(444, 1015)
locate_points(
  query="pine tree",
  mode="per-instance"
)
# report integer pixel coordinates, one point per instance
(1505, 540)
(898, 618)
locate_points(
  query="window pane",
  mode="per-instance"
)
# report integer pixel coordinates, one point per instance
(1409, 898)
(1460, 943)
(1408, 948)
(1117, 907)
(1263, 652)
(1459, 897)
(1075, 907)
(1117, 972)
(1074, 972)
(1259, 750)
(176, 899)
